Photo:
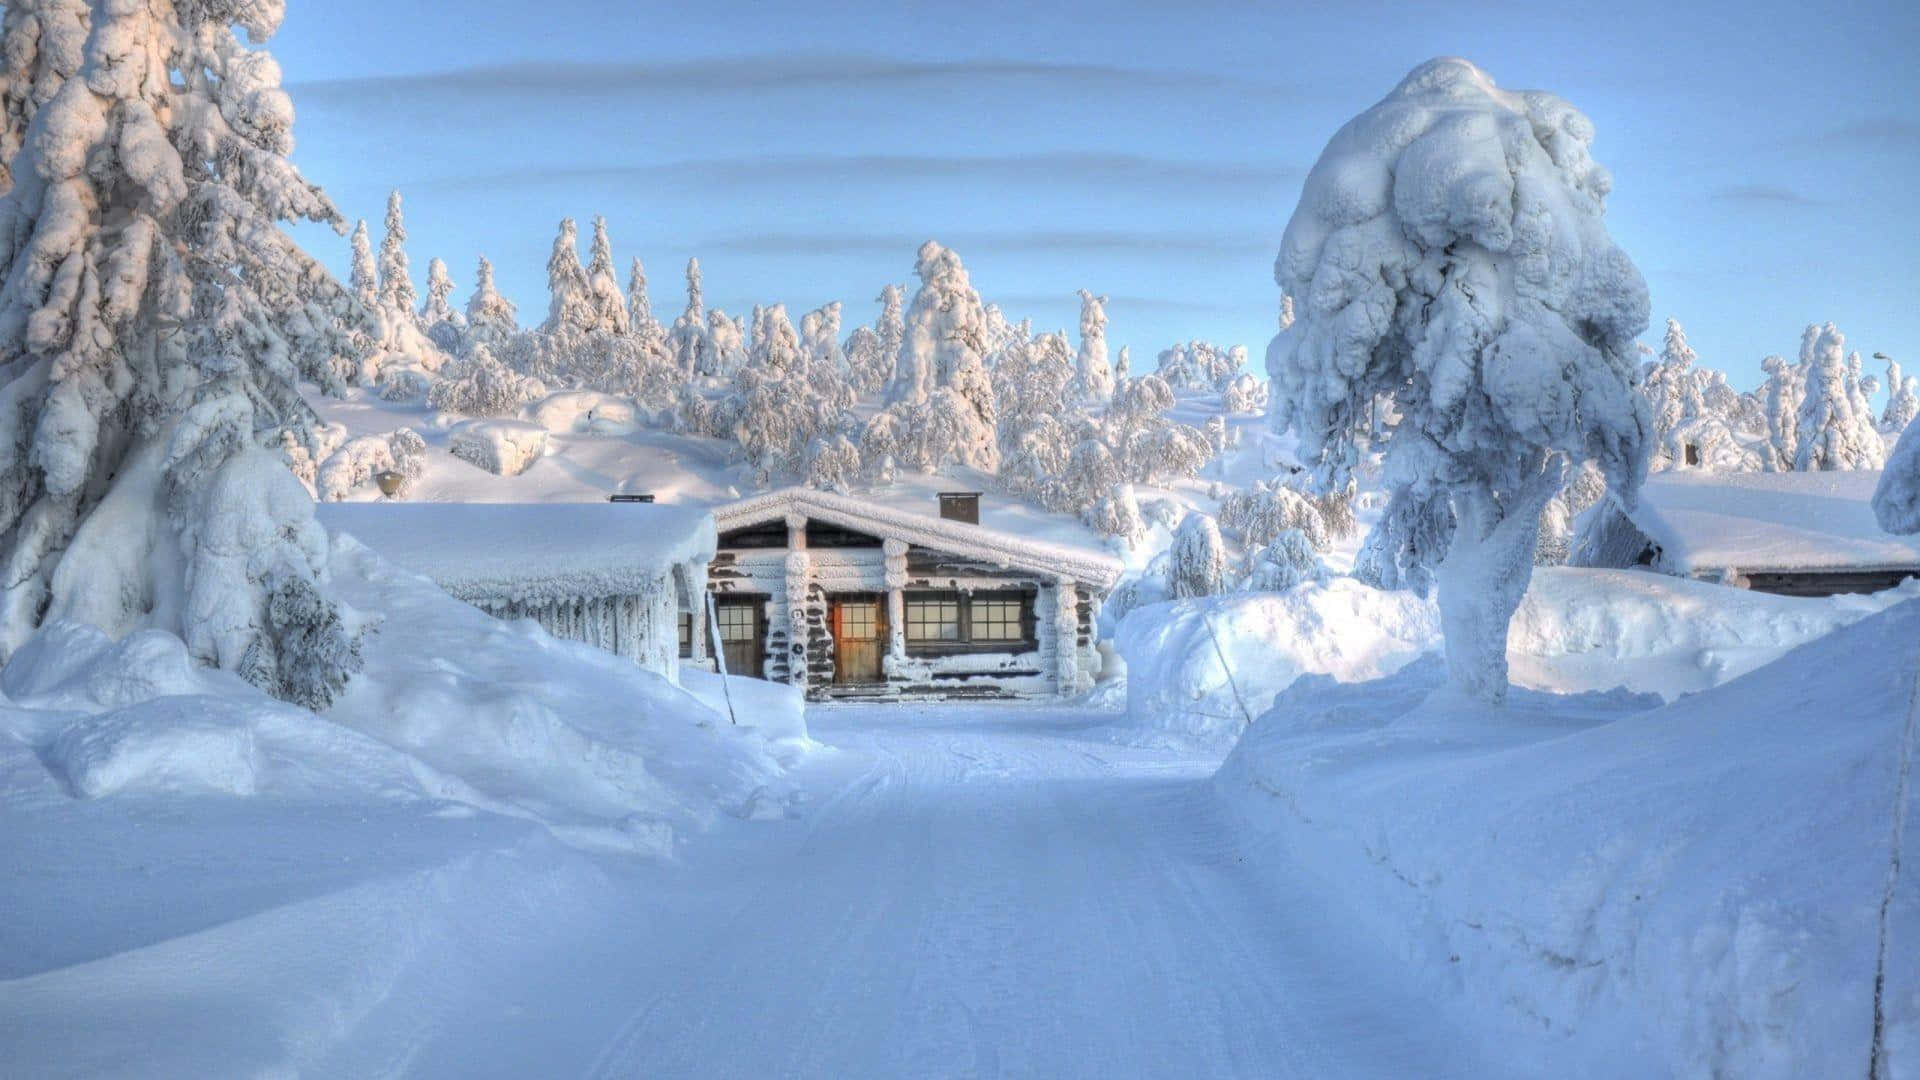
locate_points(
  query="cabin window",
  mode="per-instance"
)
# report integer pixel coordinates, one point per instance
(948, 622)
(736, 622)
(933, 617)
(686, 635)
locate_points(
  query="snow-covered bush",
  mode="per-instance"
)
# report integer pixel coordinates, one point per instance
(353, 465)
(1244, 394)
(404, 384)
(1199, 559)
(584, 412)
(154, 323)
(480, 385)
(1450, 256)
(1116, 514)
(833, 463)
(1287, 561)
(409, 452)
(502, 447)
(1260, 516)
(1201, 365)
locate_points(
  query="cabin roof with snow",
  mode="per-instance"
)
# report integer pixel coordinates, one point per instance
(986, 545)
(1791, 525)
(532, 552)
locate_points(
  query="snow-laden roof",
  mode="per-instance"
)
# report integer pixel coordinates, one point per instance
(925, 531)
(531, 551)
(1769, 522)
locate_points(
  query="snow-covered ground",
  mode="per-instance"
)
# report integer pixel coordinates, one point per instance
(963, 891)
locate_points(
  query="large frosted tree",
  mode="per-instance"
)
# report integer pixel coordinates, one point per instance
(41, 45)
(1448, 254)
(397, 296)
(1834, 430)
(1095, 376)
(569, 302)
(154, 322)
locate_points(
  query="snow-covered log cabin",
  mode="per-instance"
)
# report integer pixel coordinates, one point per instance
(611, 575)
(847, 599)
(1794, 533)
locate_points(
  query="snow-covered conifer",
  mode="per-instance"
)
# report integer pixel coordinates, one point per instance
(688, 339)
(1450, 254)
(569, 298)
(1123, 364)
(491, 318)
(1287, 561)
(1903, 398)
(442, 322)
(480, 385)
(1830, 432)
(397, 298)
(945, 329)
(608, 304)
(639, 304)
(1785, 387)
(42, 44)
(1244, 394)
(153, 325)
(1094, 378)
(1199, 564)
(364, 278)
(724, 349)
(892, 328)
(1673, 390)
(1116, 514)
(833, 463)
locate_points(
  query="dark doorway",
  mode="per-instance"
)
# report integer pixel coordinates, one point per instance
(859, 638)
(742, 622)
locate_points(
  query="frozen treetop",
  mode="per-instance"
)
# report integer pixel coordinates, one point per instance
(1769, 522)
(531, 552)
(1451, 236)
(1003, 549)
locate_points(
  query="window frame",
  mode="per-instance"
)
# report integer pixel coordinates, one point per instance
(967, 643)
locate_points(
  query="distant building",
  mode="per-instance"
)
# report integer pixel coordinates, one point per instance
(848, 599)
(611, 575)
(1794, 533)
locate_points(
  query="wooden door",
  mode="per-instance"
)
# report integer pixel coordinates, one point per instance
(743, 634)
(859, 639)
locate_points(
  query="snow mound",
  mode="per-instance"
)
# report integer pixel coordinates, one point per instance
(1698, 883)
(1176, 681)
(1575, 630)
(502, 447)
(584, 412)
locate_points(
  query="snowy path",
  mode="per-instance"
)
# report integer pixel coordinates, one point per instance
(974, 892)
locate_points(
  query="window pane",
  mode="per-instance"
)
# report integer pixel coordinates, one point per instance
(997, 619)
(686, 634)
(736, 622)
(933, 618)
(859, 620)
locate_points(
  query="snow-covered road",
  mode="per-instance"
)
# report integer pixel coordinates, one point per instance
(971, 892)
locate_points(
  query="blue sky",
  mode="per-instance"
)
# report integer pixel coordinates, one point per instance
(1763, 153)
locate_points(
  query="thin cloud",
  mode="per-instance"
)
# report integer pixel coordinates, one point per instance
(1870, 132)
(1764, 193)
(1061, 166)
(1007, 243)
(747, 73)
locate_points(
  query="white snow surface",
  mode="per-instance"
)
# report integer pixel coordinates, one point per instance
(526, 552)
(1689, 890)
(1769, 522)
(1201, 669)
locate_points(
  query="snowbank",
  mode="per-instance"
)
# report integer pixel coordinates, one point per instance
(1575, 630)
(502, 447)
(1691, 889)
(584, 412)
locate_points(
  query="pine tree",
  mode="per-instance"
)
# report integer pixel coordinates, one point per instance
(639, 306)
(397, 298)
(569, 306)
(1830, 431)
(491, 318)
(439, 308)
(603, 286)
(1095, 378)
(944, 329)
(153, 326)
(688, 338)
(364, 279)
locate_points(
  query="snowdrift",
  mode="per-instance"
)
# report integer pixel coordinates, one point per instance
(1692, 888)
(453, 705)
(1575, 630)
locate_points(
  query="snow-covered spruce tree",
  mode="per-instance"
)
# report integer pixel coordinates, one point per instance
(480, 385)
(154, 323)
(639, 305)
(397, 297)
(688, 338)
(1149, 447)
(1034, 381)
(443, 324)
(1449, 254)
(1896, 500)
(1094, 378)
(1288, 561)
(569, 301)
(1122, 364)
(363, 277)
(1830, 431)
(724, 349)
(491, 318)
(892, 328)
(42, 43)
(1673, 391)
(1784, 389)
(1199, 564)
(1244, 394)
(833, 463)
(608, 303)
(945, 328)
(1903, 397)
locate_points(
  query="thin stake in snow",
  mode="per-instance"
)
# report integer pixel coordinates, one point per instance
(720, 657)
